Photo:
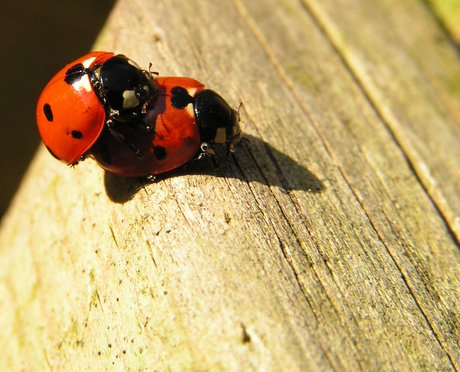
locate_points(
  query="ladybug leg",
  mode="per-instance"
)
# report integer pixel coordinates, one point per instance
(238, 111)
(133, 120)
(206, 150)
(121, 138)
(133, 148)
(143, 180)
(240, 138)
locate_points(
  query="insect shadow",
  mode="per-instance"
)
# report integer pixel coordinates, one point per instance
(253, 161)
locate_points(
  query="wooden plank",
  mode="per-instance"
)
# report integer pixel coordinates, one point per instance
(328, 243)
(448, 13)
(410, 73)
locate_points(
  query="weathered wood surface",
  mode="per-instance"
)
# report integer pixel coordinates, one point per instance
(328, 243)
(448, 13)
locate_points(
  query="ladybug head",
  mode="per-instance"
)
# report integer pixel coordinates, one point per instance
(125, 86)
(218, 122)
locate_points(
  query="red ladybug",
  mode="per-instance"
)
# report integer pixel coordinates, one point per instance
(185, 118)
(132, 122)
(93, 91)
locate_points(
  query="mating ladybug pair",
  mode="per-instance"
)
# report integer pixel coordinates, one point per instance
(132, 122)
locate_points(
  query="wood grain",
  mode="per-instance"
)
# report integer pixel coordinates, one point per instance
(448, 13)
(329, 242)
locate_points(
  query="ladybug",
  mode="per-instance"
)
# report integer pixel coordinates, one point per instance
(132, 122)
(185, 119)
(88, 95)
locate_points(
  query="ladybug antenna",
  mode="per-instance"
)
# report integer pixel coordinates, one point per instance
(154, 74)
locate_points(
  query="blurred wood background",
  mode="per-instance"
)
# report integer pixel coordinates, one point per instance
(330, 242)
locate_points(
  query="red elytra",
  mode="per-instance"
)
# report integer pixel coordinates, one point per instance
(173, 140)
(70, 116)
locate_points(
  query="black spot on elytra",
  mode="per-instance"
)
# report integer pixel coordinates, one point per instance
(47, 111)
(74, 74)
(180, 98)
(52, 153)
(105, 154)
(75, 69)
(160, 152)
(77, 134)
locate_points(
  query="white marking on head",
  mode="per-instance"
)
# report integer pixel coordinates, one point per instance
(129, 99)
(87, 62)
(190, 109)
(221, 136)
(83, 83)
